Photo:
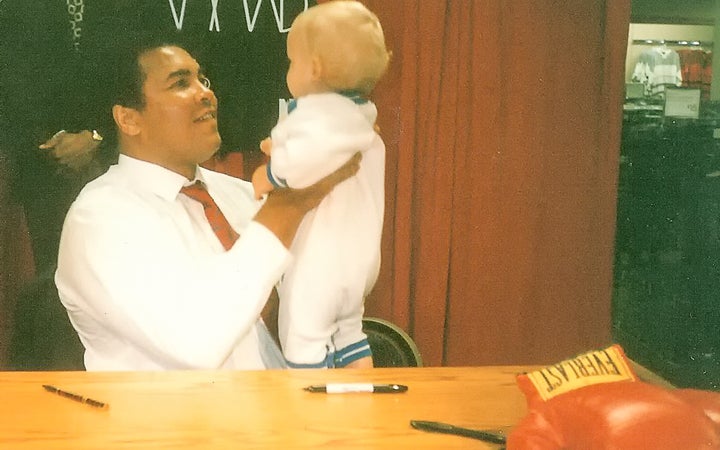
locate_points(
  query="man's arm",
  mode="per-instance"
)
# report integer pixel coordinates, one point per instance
(135, 278)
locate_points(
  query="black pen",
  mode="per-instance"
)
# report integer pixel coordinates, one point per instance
(342, 388)
(440, 427)
(75, 397)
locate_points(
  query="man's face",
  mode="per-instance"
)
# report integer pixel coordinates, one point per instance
(178, 124)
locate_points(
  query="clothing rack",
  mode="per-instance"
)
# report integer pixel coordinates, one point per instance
(688, 43)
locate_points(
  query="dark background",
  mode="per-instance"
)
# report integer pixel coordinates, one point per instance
(247, 68)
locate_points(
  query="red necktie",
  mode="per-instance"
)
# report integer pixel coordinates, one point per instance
(218, 222)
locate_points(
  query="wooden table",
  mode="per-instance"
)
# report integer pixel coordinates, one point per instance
(263, 409)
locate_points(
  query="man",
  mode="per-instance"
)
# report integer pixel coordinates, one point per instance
(146, 281)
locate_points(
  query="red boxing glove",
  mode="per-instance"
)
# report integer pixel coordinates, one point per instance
(594, 401)
(709, 402)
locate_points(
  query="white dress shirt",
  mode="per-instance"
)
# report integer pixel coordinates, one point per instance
(146, 283)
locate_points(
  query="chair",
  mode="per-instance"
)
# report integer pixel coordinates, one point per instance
(390, 345)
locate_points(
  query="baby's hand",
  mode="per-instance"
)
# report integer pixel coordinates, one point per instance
(266, 146)
(261, 183)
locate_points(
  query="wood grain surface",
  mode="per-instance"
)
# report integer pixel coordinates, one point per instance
(255, 409)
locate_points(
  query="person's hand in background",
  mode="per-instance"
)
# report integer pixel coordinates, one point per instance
(74, 152)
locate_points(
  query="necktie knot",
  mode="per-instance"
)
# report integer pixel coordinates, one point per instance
(199, 193)
(219, 224)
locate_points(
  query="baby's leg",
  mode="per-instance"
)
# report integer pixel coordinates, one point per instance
(352, 348)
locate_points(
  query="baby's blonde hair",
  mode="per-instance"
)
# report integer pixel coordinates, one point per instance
(348, 40)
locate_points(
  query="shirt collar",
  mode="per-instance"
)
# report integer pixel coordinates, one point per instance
(355, 96)
(154, 178)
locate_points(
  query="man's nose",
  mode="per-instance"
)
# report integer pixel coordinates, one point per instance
(206, 95)
(206, 101)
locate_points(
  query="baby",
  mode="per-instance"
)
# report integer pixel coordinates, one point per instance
(337, 54)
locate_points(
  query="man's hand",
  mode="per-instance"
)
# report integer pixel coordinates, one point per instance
(261, 183)
(310, 197)
(284, 209)
(266, 146)
(72, 151)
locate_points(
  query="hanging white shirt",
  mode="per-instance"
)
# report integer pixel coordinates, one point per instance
(657, 68)
(145, 281)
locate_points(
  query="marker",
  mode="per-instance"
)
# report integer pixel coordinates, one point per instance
(75, 397)
(440, 427)
(343, 388)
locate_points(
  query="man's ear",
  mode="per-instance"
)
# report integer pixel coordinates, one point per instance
(127, 119)
(317, 68)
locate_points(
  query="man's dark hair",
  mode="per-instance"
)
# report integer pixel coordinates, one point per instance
(128, 76)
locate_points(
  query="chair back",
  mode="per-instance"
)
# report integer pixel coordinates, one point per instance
(390, 345)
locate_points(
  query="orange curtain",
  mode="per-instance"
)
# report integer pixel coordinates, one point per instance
(502, 121)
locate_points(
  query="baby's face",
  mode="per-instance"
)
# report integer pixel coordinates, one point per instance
(300, 75)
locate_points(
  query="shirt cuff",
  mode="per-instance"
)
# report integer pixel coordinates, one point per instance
(277, 182)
